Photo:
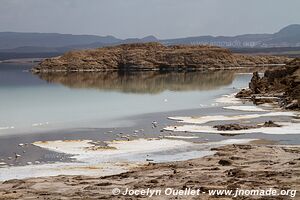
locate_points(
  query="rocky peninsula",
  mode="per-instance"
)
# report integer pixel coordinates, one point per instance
(153, 56)
(280, 86)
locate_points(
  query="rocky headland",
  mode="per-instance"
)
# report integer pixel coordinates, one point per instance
(280, 86)
(153, 56)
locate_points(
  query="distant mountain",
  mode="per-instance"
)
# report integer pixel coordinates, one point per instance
(150, 38)
(30, 49)
(12, 42)
(291, 30)
(286, 37)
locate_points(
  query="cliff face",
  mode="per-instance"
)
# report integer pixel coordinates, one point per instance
(152, 56)
(282, 85)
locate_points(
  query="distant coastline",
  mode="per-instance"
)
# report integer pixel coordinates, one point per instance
(22, 60)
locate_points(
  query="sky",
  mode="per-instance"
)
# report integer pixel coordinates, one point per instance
(139, 18)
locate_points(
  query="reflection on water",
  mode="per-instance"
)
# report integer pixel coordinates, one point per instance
(31, 103)
(143, 82)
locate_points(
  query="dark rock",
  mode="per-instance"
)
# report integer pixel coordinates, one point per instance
(154, 181)
(224, 162)
(254, 85)
(293, 105)
(243, 146)
(103, 184)
(270, 124)
(232, 127)
(244, 93)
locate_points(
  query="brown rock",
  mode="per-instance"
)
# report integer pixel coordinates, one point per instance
(244, 93)
(152, 56)
(280, 85)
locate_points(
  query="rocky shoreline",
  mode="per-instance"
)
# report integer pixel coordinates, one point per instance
(280, 86)
(153, 56)
(249, 166)
(231, 127)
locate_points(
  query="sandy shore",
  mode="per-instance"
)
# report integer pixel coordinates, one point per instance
(251, 166)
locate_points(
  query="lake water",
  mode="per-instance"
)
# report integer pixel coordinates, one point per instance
(57, 121)
(32, 103)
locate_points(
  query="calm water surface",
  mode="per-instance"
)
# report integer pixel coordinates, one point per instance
(32, 103)
(104, 106)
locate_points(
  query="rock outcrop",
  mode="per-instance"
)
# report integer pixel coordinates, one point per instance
(152, 56)
(234, 127)
(280, 85)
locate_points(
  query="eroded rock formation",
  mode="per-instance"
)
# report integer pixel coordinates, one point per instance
(152, 56)
(281, 85)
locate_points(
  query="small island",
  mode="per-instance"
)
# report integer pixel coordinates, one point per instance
(153, 56)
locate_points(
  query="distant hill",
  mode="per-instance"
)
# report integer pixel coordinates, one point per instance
(22, 43)
(286, 37)
(11, 40)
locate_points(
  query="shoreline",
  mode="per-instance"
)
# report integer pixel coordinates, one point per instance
(181, 138)
(231, 167)
(165, 119)
(174, 69)
(139, 122)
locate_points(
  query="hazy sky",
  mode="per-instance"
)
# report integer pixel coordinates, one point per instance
(138, 18)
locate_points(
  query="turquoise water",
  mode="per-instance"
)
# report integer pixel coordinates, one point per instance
(33, 104)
